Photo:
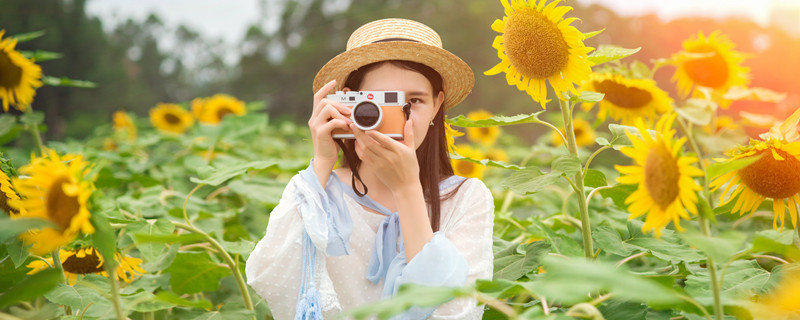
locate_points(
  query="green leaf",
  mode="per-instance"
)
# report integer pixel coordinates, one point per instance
(602, 141)
(170, 297)
(186, 238)
(609, 240)
(588, 35)
(193, 272)
(7, 122)
(569, 165)
(595, 179)
(214, 176)
(41, 55)
(571, 281)
(31, 287)
(229, 311)
(17, 251)
(697, 111)
(10, 228)
(774, 242)
(607, 53)
(28, 36)
(407, 296)
(618, 193)
(32, 118)
(717, 169)
(529, 180)
(587, 97)
(616, 309)
(150, 250)
(487, 162)
(742, 276)
(240, 247)
(67, 82)
(618, 137)
(517, 260)
(721, 247)
(497, 120)
(77, 296)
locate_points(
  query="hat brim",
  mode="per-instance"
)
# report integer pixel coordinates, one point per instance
(456, 74)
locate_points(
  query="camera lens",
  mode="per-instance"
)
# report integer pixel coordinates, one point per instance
(367, 115)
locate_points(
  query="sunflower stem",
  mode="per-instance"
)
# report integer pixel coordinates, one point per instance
(57, 264)
(186, 202)
(35, 133)
(112, 279)
(572, 146)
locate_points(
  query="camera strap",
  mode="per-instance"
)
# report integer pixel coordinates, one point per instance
(354, 171)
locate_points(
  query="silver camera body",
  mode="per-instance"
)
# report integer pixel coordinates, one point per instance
(384, 111)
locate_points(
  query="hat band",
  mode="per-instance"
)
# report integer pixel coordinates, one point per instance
(394, 39)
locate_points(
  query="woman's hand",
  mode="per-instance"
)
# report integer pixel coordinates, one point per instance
(395, 162)
(326, 116)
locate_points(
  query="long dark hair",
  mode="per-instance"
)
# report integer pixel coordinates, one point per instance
(432, 155)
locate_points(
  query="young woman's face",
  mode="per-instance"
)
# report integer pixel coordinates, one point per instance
(418, 90)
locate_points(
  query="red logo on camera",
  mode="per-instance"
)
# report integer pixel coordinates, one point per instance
(370, 96)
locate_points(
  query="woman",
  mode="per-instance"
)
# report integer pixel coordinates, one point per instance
(328, 247)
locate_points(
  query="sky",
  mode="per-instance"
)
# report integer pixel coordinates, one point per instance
(228, 19)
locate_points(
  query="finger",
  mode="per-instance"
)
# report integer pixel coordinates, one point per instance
(408, 135)
(326, 129)
(383, 140)
(330, 112)
(363, 139)
(321, 94)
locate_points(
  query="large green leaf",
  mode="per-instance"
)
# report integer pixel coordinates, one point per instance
(150, 250)
(741, 276)
(595, 179)
(517, 260)
(529, 180)
(571, 281)
(216, 176)
(566, 164)
(170, 297)
(78, 296)
(487, 162)
(193, 272)
(32, 286)
(721, 247)
(607, 53)
(717, 169)
(497, 120)
(67, 82)
(104, 239)
(407, 296)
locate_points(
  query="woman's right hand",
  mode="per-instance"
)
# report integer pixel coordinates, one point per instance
(326, 116)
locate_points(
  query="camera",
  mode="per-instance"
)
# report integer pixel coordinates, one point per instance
(384, 111)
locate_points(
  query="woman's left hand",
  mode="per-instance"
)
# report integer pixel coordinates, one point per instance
(395, 161)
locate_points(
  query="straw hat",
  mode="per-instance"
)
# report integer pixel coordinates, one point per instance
(399, 39)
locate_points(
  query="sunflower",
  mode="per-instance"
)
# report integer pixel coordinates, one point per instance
(8, 194)
(627, 99)
(465, 168)
(56, 189)
(451, 135)
(212, 110)
(783, 301)
(775, 175)
(486, 136)
(123, 123)
(171, 118)
(497, 155)
(584, 134)
(19, 77)
(87, 260)
(666, 188)
(538, 44)
(709, 62)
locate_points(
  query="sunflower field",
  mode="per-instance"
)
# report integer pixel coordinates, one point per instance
(636, 204)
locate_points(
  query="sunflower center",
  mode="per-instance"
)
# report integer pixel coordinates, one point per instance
(4, 204)
(10, 73)
(776, 179)
(534, 44)
(90, 263)
(623, 96)
(172, 119)
(222, 112)
(709, 72)
(466, 167)
(60, 206)
(484, 131)
(661, 176)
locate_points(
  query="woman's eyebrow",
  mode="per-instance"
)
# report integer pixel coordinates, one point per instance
(418, 93)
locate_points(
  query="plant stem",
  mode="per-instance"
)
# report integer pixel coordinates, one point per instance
(589, 161)
(185, 202)
(35, 133)
(566, 113)
(112, 279)
(704, 225)
(57, 264)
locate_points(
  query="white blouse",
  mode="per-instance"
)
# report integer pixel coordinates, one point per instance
(275, 267)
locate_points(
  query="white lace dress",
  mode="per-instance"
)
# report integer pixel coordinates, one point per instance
(275, 267)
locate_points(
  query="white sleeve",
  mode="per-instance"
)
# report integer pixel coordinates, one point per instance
(274, 267)
(469, 226)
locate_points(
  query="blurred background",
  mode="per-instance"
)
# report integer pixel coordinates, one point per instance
(148, 51)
